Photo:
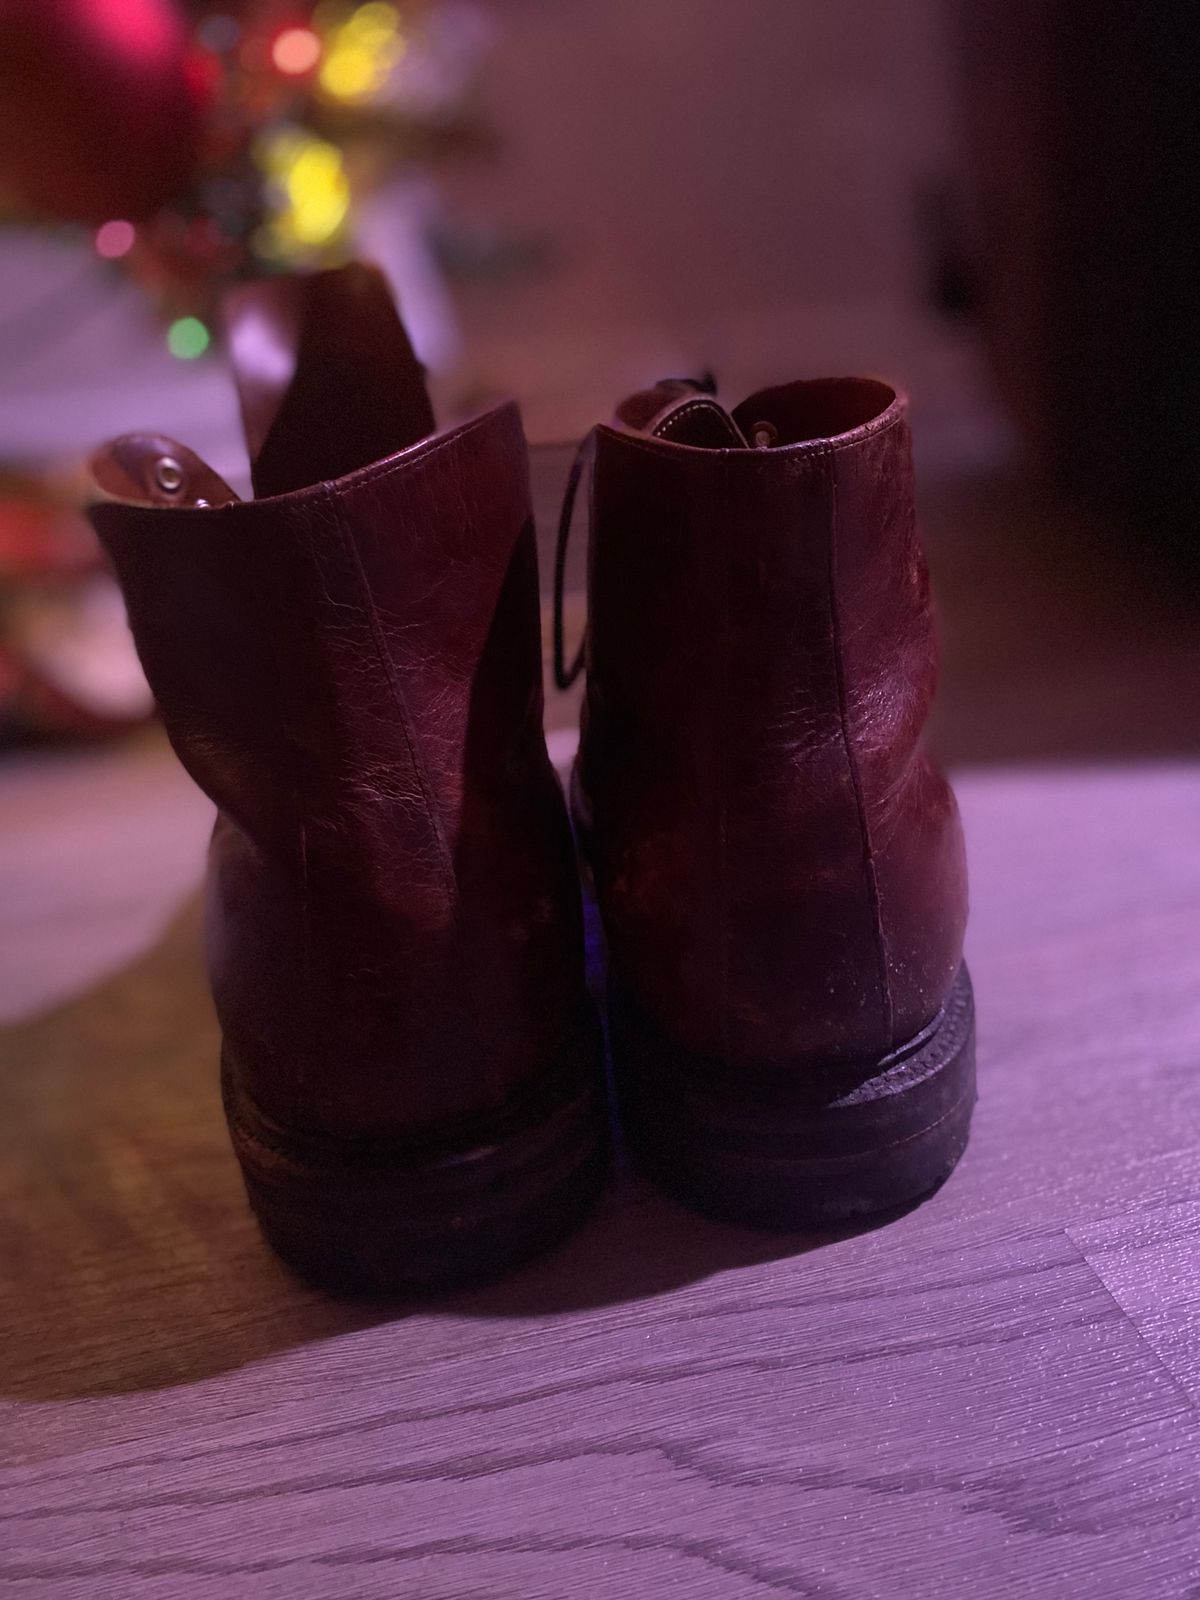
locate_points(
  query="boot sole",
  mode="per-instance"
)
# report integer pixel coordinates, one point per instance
(355, 1217)
(798, 1149)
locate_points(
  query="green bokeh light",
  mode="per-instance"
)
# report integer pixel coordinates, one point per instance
(187, 338)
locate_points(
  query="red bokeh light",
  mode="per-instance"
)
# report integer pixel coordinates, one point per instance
(296, 51)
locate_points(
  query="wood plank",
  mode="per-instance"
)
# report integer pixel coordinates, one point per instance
(985, 1393)
(1149, 1261)
(714, 1438)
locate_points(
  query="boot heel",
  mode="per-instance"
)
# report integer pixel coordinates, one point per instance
(355, 1216)
(808, 1145)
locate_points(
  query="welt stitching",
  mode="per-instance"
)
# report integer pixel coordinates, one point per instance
(385, 661)
(789, 452)
(664, 430)
(869, 869)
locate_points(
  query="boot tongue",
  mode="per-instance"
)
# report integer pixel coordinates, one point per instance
(326, 376)
(151, 467)
(684, 412)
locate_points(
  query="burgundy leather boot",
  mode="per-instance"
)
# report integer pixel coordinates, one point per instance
(350, 666)
(778, 865)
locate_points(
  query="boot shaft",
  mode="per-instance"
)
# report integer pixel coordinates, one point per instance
(334, 649)
(780, 865)
(352, 672)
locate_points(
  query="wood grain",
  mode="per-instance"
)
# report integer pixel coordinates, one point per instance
(995, 1394)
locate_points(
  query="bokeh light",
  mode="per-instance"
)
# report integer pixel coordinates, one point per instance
(115, 239)
(144, 31)
(219, 33)
(296, 51)
(313, 193)
(361, 52)
(187, 338)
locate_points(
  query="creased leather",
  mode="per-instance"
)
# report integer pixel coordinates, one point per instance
(352, 672)
(779, 866)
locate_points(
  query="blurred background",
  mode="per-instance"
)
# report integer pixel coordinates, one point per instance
(982, 200)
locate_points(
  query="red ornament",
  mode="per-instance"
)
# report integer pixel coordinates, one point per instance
(99, 106)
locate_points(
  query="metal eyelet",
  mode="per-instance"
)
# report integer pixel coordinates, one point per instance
(168, 474)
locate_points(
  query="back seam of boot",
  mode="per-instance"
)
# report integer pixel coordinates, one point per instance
(723, 928)
(445, 860)
(870, 875)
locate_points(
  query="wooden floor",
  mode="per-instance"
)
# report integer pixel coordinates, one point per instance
(995, 1394)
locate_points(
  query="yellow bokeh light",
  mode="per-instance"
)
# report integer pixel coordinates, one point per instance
(361, 52)
(378, 15)
(319, 194)
(311, 188)
(350, 72)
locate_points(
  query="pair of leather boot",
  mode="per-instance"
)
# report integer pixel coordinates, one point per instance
(349, 665)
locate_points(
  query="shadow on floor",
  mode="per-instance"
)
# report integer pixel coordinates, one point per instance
(129, 1258)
